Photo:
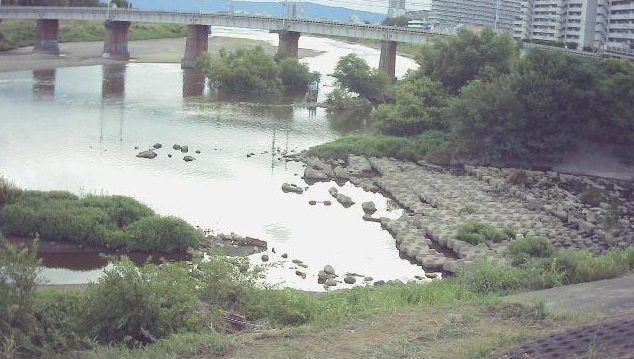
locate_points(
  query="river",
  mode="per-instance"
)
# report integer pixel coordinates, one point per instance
(76, 129)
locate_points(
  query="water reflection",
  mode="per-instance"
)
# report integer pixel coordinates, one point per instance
(348, 121)
(113, 81)
(100, 114)
(193, 83)
(44, 84)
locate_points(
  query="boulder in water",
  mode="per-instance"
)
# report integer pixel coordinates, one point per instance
(149, 154)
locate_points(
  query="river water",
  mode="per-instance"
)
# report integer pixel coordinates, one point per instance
(76, 129)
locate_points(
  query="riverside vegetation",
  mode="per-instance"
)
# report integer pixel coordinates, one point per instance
(186, 309)
(113, 222)
(253, 72)
(487, 103)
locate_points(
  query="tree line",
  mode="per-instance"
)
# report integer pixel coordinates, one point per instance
(495, 104)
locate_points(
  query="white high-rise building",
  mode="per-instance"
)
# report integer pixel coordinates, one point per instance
(621, 25)
(396, 8)
(498, 14)
(594, 25)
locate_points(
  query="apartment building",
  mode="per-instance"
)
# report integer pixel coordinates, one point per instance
(582, 24)
(497, 14)
(620, 34)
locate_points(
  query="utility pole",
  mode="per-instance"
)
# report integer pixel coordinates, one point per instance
(497, 14)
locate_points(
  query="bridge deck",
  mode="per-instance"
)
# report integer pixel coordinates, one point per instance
(304, 26)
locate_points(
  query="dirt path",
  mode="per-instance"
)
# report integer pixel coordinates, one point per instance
(144, 51)
(462, 331)
(604, 297)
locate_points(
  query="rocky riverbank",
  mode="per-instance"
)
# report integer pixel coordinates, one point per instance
(572, 212)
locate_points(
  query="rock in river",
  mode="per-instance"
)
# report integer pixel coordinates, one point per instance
(368, 207)
(265, 258)
(344, 200)
(311, 173)
(350, 279)
(329, 270)
(293, 188)
(331, 282)
(149, 154)
(184, 149)
(176, 147)
(188, 158)
(157, 146)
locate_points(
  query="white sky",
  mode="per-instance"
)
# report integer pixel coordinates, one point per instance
(378, 6)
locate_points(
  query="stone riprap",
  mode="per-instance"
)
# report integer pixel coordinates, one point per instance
(437, 202)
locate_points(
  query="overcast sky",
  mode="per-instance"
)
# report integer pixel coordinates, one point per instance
(379, 6)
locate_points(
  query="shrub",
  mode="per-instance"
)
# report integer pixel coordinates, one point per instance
(476, 233)
(471, 55)
(59, 321)
(7, 191)
(355, 75)
(591, 196)
(123, 210)
(110, 221)
(294, 75)
(487, 277)
(534, 247)
(251, 71)
(19, 268)
(280, 307)
(159, 300)
(163, 233)
(418, 107)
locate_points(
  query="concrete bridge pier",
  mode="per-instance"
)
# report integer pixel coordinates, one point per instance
(387, 63)
(289, 44)
(45, 37)
(116, 44)
(197, 43)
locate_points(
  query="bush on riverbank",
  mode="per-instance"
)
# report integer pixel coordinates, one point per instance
(178, 304)
(499, 108)
(253, 72)
(19, 33)
(539, 266)
(108, 221)
(476, 233)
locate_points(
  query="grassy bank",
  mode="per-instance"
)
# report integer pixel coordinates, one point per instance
(431, 144)
(19, 33)
(105, 221)
(183, 310)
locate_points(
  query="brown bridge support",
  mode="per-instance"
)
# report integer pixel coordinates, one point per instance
(289, 44)
(116, 44)
(45, 38)
(387, 63)
(197, 43)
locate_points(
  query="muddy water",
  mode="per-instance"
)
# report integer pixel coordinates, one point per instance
(76, 129)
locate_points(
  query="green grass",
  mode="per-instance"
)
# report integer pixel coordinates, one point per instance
(19, 33)
(476, 233)
(108, 221)
(178, 303)
(523, 250)
(377, 145)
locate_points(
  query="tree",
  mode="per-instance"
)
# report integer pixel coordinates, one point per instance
(250, 71)
(613, 118)
(419, 102)
(399, 21)
(355, 75)
(294, 75)
(469, 56)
